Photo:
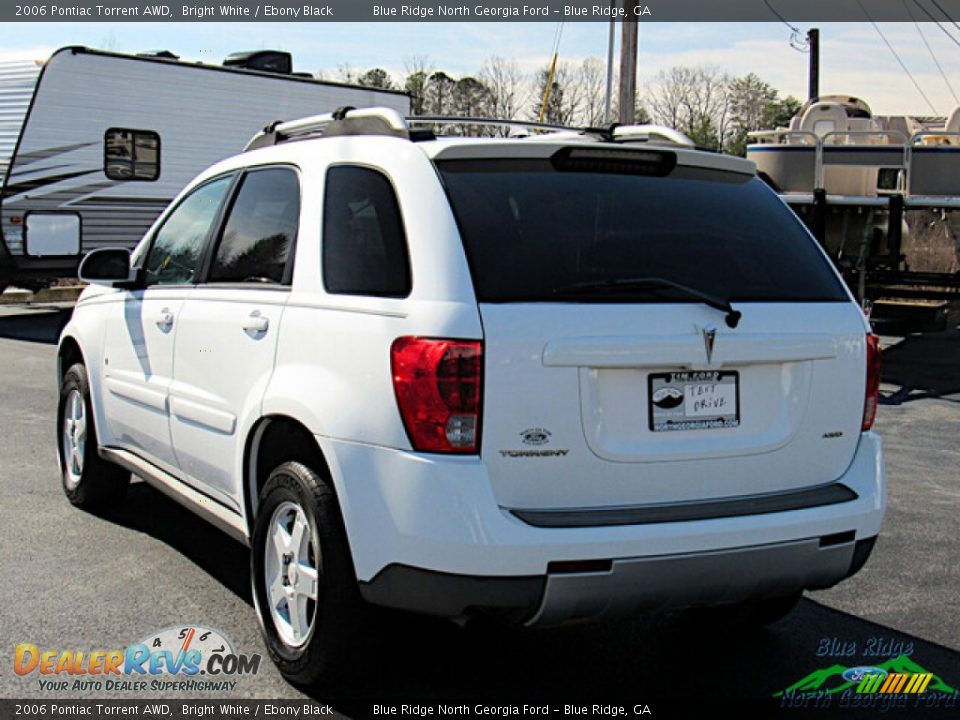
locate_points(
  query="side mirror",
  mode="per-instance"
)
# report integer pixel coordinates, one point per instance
(107, 266)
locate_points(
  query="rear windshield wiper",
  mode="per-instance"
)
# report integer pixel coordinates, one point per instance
(651, 283)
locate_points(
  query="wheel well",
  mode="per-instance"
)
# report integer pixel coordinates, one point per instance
(275, 440)
(68, 355)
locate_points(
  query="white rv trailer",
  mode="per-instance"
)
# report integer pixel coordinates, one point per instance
(93, 144)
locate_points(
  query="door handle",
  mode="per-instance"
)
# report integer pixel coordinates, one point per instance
(255, 322)
(165, 321)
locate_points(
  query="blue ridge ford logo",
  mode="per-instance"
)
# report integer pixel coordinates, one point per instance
(856, 674)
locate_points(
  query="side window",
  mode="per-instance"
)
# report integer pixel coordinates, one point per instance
(260, 228)
(364, 245)
(174, 256)
(131, 154)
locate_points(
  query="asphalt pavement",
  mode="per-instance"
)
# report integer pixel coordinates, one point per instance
(73, 580)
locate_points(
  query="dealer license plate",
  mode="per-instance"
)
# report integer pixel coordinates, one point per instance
(694, 400)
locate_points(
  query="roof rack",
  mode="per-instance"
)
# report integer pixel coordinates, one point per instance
(385, 121)
(363, 121)
(651, 134)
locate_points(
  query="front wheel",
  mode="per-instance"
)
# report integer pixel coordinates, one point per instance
(304, 584)
(89, 481)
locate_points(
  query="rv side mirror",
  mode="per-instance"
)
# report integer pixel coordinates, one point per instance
(107, 266)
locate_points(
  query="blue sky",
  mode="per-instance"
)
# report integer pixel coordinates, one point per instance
(854, 58)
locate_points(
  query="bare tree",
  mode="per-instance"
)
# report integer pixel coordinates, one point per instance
(592, 78)
(751, 101)
(566, 95)
(666, 97)
(694, 100)
(506, 85)
(346, 73)
(417, 69)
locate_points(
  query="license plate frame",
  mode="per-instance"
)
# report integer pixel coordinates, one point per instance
(703, 402)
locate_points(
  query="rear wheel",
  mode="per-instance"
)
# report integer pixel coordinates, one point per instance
(304, 585)
(89, 481)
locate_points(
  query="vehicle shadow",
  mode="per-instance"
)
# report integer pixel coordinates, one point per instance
(411, 659)
(631, 661)
(149, 511)
(923, 366)
(38, 325)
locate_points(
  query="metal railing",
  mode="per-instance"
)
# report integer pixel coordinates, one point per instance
(863, 155)
(897, 155)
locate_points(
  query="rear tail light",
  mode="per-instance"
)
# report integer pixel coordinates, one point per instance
(874, 370)
(438, 385)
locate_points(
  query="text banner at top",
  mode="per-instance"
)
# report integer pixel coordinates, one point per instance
(796, 11)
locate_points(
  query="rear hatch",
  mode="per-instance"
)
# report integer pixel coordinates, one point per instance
(655, 331)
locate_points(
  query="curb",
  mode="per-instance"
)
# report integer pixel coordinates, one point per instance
(47, 295)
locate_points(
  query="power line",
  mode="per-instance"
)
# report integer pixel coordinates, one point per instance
(797, 40)
(557, 35)
(932, 54)
(937, 22)
(937, 5)
(780, 17)
(902, 65)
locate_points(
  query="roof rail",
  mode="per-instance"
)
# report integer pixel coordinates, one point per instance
(616, 133)
(363, 121)
(651, 134)
(385, 121)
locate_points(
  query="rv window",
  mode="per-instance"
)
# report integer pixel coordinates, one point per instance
(260, 229)
(52, 233)
(131, 154)
(174, 257)
(364, 244)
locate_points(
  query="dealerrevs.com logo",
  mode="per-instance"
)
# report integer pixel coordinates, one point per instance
(184, 658)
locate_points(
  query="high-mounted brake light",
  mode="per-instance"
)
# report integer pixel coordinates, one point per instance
(658, 163)
(438, 384)
(874, 371)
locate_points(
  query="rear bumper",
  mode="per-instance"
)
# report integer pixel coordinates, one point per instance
(631, 584)
(426, 534)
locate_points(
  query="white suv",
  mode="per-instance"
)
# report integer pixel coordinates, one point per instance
(547, 378)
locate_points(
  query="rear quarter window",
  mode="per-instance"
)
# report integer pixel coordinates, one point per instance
(364, 243)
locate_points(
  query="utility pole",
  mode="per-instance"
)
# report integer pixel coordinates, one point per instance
(607, 100)
(813, 42)
(628, 63)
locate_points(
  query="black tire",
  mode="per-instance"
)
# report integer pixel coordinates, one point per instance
(338, 618)
(91, 482)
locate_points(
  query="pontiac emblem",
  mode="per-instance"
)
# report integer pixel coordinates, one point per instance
(709, 337)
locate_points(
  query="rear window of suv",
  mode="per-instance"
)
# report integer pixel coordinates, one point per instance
(533, 228)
